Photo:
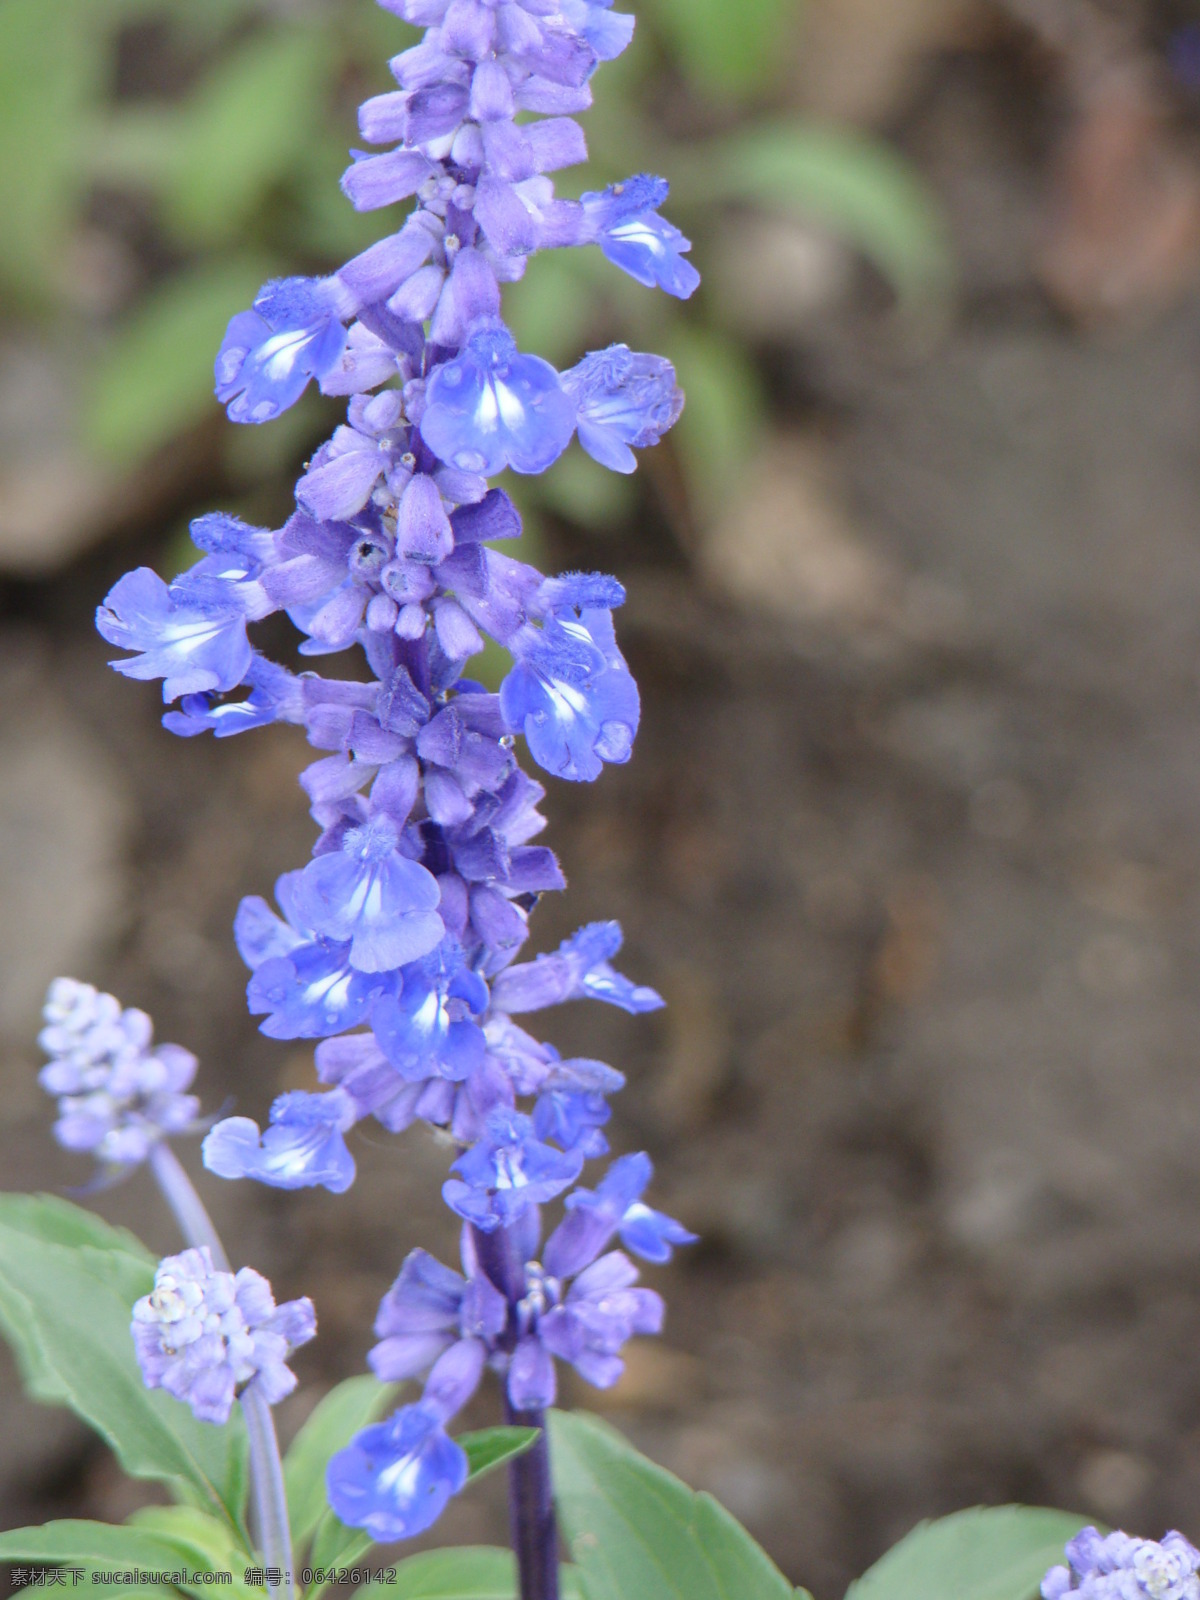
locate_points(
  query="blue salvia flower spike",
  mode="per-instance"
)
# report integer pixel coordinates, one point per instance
(397, 946)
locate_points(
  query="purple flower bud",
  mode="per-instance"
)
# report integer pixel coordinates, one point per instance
(622, 399)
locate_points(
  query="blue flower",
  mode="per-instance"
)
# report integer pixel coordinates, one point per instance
(572, 696)
(492, 407)
(622, 399)
(508, 1171)
(573, 1119)
(395, 1478)
(623, 220)
(371, 895)
(607, 31)
(615, 1206)
(428, 1309)
(194, 643)
(600, 1313)
(268, 354)
(580, 969)
(427, 1029)
(302, 1149)
(304, 984)
(118, 1093)
(203, 1335)
(1115, 1566)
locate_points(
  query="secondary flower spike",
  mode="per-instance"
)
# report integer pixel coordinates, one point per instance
(203, 1335)
(118, 1092)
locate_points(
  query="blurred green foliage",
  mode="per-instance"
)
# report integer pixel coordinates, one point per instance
(231, 164)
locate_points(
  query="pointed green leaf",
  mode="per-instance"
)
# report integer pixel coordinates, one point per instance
(726, 48)
(989, 1553)
(334, 1422)
(244, 130)
(76, 1541)
(157, 378)
(336, 1545)
(493, 1447)
(637, 1533)
(848, 182)
(207, 1544)
(50, 70)
(58, 1221)
(71, 1308)
(469, 1572)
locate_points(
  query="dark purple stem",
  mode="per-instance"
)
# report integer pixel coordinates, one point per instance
(534, 1529)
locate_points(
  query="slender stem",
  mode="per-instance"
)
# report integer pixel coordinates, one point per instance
(266, 1468)
(195, 1224)
(270, 1495)
(532, 1523)
(534, 1530)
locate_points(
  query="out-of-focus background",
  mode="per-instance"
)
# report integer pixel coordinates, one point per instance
(911, 839)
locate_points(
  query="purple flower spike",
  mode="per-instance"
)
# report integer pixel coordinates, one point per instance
(507, 1172)
(623, 220)
(268, 354)
(623, 399)
(118, 1094)
(371, 895)
(493, 407)
(204, 1335)
(302, 1149)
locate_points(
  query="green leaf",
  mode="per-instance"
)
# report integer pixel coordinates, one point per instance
(50, 69)
(76, 1541)
(58, 1221)
(469, 1572)
(69, 1312)
(637, 1533)
(586, 492)
(336, 1545)
(333, 1423)
(990, 1553)
(848, 182)
(493, 1447)
(207, 1544)
(157, 380)
(243, 131)
(728, 49)
(721, 423)
(55, 1221)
